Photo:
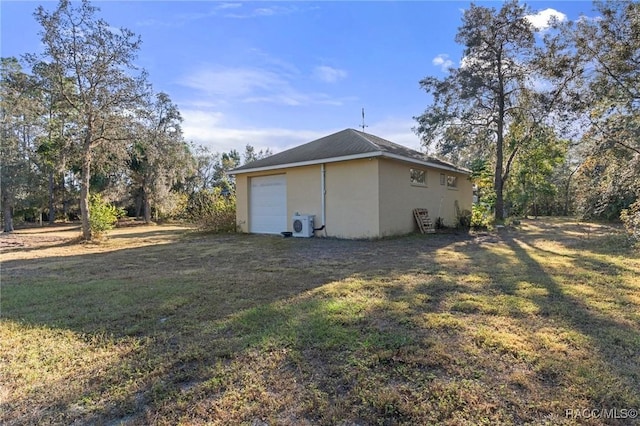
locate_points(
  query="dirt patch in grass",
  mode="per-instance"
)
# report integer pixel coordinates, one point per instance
(538, 324)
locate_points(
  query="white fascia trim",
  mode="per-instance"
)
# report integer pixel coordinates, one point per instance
(426, 163)
(308, 163)
(351, 157)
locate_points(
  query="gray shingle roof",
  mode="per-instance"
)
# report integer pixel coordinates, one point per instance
(346, 143)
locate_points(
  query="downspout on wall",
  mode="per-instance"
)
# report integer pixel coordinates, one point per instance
(323, 196)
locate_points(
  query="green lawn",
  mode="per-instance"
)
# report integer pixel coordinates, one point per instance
(162, 325)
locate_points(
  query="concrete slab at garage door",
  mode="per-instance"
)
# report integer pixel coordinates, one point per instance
(268, 204)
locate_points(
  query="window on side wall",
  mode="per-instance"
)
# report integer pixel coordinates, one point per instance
(443, 179)
(452, 181)
(418, 177)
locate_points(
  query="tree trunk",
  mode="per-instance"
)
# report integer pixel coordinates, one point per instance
(7, 215)
(65, 200)
(147, 206)
(567, 189)
(52, 211)
(498, 182)
(498, 187)
(84, 192)
(63, 188)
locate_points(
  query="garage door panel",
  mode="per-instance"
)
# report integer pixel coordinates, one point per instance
(268, 204)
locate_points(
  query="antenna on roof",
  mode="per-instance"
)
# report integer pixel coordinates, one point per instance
(363, 125)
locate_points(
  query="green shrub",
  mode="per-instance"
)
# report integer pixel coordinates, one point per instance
(103, 216)
(481, 216)
(212, 211)
(631, 219)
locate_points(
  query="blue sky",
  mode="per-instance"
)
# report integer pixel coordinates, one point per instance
(278, 74)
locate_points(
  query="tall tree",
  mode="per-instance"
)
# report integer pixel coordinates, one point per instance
(107, 84)
(608, 47)
(159, 155)
(58, 130)
(222, 164)
(250, 154)
(473, 106)
(19, 126)
(531, 189)
(204, 176)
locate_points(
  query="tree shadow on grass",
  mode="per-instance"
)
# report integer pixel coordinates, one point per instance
(215, 328)
(172, 234)
(616, 341)
(46, 228)
(16, 243)
(164, 307)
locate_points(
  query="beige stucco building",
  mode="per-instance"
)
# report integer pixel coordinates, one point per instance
(355, 184)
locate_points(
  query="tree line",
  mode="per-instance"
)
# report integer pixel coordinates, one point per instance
(82, 119)
(547, 119)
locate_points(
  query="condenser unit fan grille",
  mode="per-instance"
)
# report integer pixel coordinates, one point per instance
(302, 225)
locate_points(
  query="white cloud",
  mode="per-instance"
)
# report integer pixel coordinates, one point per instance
(255, 85)
(210, 109)
(210, 129)
(234, 82)
(296, 98)
(541, 21)
(262, 11)
(182, 19)
(442, 61)
(229, 6)
(329, 74)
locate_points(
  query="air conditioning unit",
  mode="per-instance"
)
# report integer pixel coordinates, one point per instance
(303, 225)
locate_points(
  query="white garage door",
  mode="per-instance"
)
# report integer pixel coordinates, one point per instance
(268, 204)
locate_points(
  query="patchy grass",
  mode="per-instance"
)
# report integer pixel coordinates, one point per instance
(162, 325)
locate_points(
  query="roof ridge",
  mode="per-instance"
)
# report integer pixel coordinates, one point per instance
(386, 141)
(364, 135)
